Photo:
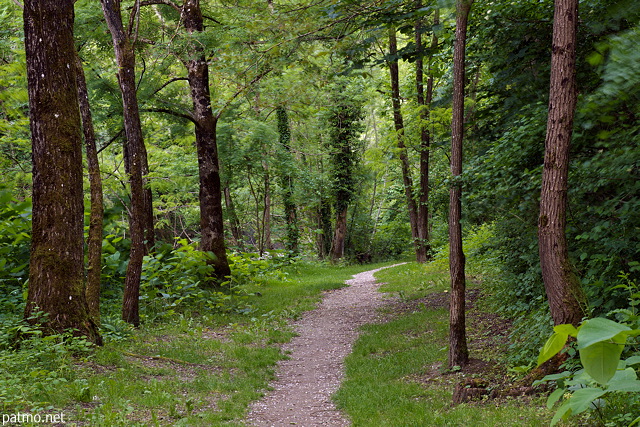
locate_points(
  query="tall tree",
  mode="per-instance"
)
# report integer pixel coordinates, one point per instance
(125, 58)
(345, 127)
(458, 351)
(211, 220)
(56, 270)
(424, 102)
(96, 215)
(565, 295)
(398, 121)
(290, 211)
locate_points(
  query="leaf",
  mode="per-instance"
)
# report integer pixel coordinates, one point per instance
(554, 397)
(567, 328)
(633, 360)
(600, 329)
(582, 398)
(625, 380)
(554, 344)
(563, 412)
(600, 360)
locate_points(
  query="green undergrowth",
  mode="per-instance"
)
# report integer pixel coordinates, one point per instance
(192, 368)
(396, 375)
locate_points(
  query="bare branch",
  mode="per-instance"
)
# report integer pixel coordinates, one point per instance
(170, 112)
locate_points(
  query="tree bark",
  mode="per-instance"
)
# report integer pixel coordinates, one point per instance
(458, 351)
(340, 232)
(399, 126)
(211, 219)
(423, 247)
(233, 217)
(290, 211)
(96, 215)
(566, 297)
(125, 59)
(56, 269)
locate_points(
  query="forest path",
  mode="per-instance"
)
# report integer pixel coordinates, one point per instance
(302, 392)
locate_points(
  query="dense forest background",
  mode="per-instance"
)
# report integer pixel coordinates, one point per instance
(313, 160)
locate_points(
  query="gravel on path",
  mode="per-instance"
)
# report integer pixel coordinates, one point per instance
(301, 394)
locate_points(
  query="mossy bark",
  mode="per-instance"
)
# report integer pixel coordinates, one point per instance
(290, 209)
(56, 270)
(211, 219)
(96, 215)
(125, 59)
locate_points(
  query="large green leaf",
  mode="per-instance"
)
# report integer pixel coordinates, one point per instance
(624, 380)
(601, 359)
(600, 329)
(582, 398)
(553, 345)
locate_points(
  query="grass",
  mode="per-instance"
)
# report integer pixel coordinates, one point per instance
(198, 368)
(395, 375)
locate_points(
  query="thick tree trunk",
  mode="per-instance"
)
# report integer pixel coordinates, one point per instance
(94, 240)
(423, 247)
(399, 126)
(565, 295)
(56, 270)
(125, 59)
(458, 352)
(211, 219)
(290, 211)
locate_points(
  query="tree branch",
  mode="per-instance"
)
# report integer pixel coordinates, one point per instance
(166, 2)
(171, 113)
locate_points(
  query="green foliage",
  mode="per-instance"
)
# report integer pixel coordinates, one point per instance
(15, 239)
(37, 369)
(604, 376)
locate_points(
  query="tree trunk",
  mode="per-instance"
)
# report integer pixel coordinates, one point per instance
(211, 219)
(324, 225)
(125, 59)
(399, 126)
(458, 352)
(337, 245)
(233, 217)
(566, 297)
(94, 240)
(423, 248)
(56, 269)
(266, 213)
(290, 211)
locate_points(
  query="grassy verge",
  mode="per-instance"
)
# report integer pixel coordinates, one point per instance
(197, 368)
(396, 376)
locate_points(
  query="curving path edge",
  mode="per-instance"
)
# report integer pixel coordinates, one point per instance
(301, 394)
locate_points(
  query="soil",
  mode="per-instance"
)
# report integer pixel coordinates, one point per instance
(301, 394)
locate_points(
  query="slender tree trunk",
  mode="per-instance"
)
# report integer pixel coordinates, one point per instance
(337, 245)
(266, 213)
(324, 224)
(458, 352)
(290, 211)
(566, 297)
(125, 59)
(94, 240)
(56, 268)
(233, 217)
(423, 247)
(399, 126)
(211, 219)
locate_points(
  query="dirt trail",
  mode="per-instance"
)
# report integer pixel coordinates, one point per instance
(301, 394)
